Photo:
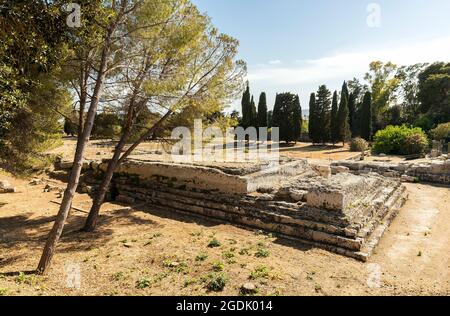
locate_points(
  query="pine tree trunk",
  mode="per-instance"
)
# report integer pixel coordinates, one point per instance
(114, 163)
(72, 185)
(91, 221)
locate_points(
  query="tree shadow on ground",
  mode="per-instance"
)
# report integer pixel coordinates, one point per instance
(310, 148)
(24, 232)
(202, 220)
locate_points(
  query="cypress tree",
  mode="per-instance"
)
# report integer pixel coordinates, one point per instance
(334, 120)
(262, 111)
(297, 119)
(287, 116)
(343, 124)
(253, 114)
(345, 90)
(351, 113)
(245, 103)
(323, 104)
(313, 118)
(366, 117)
(276, 114)
(270, 119)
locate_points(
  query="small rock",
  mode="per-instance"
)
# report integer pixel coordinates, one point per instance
(35, 181)
(52, 188)
(6, 187)
(249, 288)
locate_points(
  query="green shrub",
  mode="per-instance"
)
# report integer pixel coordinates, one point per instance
(401, 140)
(217, 282)
(201, 256)
(214, 243)
(218, 266)
(441, 132)
(358, 145)
(260, 272)
(262, 252)
(415, 144)
(143, 283)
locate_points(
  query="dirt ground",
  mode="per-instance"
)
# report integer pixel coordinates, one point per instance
(142, 251)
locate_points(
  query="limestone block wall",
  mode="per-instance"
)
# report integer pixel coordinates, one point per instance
(209, 178)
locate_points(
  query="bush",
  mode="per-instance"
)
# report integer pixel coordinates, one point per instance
(415, 144)
(214, 243)
(400, 140)
(358, 145)
(441, 132)
(217, 282)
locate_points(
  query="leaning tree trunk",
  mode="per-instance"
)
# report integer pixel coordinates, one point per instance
(72, 185)
(91, 221)
(114, 163)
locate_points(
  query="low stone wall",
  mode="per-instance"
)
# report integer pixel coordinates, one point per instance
(436, 171)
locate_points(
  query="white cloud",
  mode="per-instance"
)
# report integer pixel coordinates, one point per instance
(349, 64)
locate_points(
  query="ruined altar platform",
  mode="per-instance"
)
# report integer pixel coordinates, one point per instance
(341, 212)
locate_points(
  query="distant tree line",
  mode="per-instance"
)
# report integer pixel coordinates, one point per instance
(416, 95)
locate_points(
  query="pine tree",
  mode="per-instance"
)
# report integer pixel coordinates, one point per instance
(313, 118)
(351, 113)
(343, 113)
(334, 120)
(366, 117)
(323, 104)
(245, 103)
(262, 111)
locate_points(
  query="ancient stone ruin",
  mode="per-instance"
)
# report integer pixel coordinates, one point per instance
(341, 212)
(433, 171)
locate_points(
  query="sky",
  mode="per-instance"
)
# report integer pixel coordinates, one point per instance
(297, 45)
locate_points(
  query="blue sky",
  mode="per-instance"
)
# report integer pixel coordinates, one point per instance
(296, 45)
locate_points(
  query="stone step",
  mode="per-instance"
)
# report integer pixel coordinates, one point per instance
(263, 220)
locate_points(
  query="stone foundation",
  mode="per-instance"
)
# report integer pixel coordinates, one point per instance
(435, 171)
(343, 213)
